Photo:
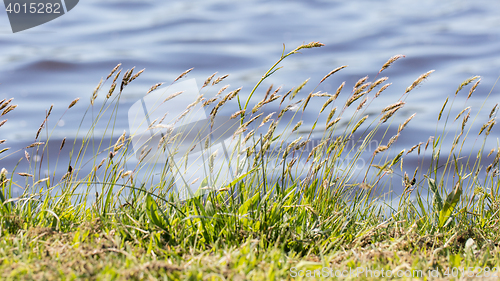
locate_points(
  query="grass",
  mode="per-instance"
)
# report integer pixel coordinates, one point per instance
(292, 210)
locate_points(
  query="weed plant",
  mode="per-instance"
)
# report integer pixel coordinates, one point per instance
(290, 206)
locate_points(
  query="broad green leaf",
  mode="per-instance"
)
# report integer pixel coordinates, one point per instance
(450, 203)
(154, 213)
(437, 198)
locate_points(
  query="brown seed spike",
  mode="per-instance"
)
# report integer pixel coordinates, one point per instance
(332, 72)
(3, 122)
(183, 74)
(473, 88)
(465, 83)
(4, 104)
(208, 80)
(390, 61)
(114, 70)
(73, 103)
(62, 144)
(219, 79)
(418, 81)
(154, 87)
(9, 109)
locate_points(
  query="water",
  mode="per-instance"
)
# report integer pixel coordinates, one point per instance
(65, 59)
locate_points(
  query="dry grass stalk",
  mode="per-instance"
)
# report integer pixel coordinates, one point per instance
(463, 110)
(34, 144)
(354, 98)
(266, 119)
(491, 152)
(297, 126)
(111, 90)
(490, 127)
(222, 90)
(379, 149)
(362, 103)
(219, 79)
(413, 148)
(25, 175)
(270, 131)
(402, 126)
(330, 115)
(493, 111)
(4, 104)
(382, 89)
(442, 108)
(227, 98)
(62, 144)
(50, 111)
(392, 140)
(173, 96)
(332, 72)
(392, 106)
(94, 94)
(154, 87)
(465, 83)
(427, 143)
(307, 46)
(473, 88)
(268, 92)
(272, 98)
(316, 148)
(377, 82)
(126, 174)
(418, 81)
(9, 109)
(114, 70)
(291, 146)
(183, 74)
(390, 61)
(116, 76)
(330, 100)
(361, 88)
(294, 93)
(359, 82)
(286, 95)
(209, 101)
(485, 125)
(73, 103)
(307, 101)
(251, 120)
(292, 106)
(248, 136)
(359, 124)
(333, 123)
(239, 112)
(389, 114)
(209, 79)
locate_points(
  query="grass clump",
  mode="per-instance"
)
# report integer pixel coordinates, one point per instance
(294, 208)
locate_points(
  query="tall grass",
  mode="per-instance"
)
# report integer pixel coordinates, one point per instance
(289, 194)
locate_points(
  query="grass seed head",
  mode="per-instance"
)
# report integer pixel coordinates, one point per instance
(154, 87)
(390, 61)
(208, 80)
(183, 74)
(332, 72)
(419, 80)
